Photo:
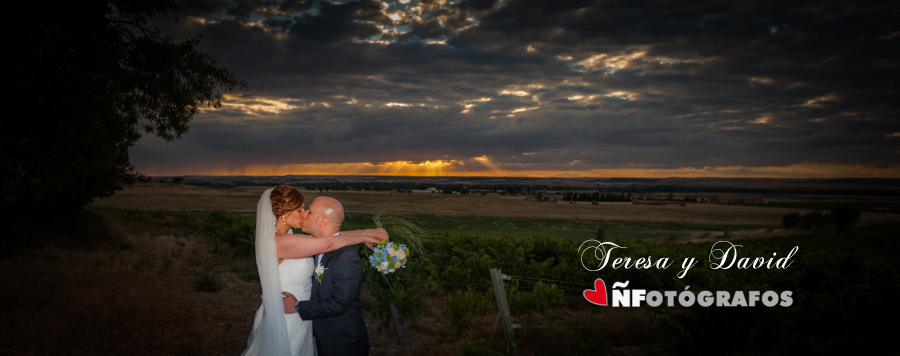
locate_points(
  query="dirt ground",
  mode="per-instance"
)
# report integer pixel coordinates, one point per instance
(132, 296)
(138, 294)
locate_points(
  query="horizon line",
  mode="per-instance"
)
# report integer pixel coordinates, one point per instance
(487, 176)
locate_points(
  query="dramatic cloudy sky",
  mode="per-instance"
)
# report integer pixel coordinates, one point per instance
(545, 88)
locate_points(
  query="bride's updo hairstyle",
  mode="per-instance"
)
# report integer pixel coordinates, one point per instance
(285, 199)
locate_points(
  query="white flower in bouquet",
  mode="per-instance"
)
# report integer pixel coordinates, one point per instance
(388, 257)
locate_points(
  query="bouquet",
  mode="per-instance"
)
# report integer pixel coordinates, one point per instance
(388, 257)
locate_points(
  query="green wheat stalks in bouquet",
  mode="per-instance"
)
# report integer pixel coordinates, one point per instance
(407, 238)
(401, 230)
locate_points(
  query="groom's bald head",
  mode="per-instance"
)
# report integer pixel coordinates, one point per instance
(325, 217)
(332, 209)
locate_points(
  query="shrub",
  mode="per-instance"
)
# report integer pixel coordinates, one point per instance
(207, 282)
(790, 220)
(819, 220)
(231, 229)
(476, 348)
(458, 305)
(134, 215)
(844, 217)
(541, 298)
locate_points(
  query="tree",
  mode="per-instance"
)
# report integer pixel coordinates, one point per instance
(790, 220)
(819, 220)
(844, 217)
(86, 80)
(805, 222)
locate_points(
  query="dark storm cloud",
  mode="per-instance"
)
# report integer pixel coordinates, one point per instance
(609, 84)
(338, 22)
(291, 6)
(199, 7)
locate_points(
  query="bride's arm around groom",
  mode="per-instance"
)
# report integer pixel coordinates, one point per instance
(333, 305)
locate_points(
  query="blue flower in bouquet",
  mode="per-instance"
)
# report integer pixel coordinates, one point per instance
(388, 257)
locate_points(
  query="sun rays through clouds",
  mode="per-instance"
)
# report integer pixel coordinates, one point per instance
(739, 89)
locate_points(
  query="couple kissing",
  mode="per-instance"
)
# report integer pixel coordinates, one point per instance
(310, 283)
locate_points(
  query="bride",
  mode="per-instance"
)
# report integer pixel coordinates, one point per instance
(285, 264)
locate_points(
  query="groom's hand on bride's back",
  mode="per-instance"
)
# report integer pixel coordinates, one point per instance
(289, 302)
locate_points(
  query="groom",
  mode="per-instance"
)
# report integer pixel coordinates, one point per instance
(333, 305)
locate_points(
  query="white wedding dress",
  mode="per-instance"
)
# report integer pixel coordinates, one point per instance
(296, 278)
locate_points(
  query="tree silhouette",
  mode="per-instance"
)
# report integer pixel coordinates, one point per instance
(844, 217)
(85, 79)
(790, 220)
(819, 220)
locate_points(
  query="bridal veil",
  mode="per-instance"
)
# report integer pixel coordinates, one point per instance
(272, 333)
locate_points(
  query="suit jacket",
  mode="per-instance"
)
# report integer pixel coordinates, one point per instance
(333, 306)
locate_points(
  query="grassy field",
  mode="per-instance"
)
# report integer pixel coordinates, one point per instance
(441, 212)
(867, 206)
(156, 285)
(573, 229)
(168, 197)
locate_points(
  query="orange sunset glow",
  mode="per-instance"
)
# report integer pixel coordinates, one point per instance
(483, 96)
(483, 167)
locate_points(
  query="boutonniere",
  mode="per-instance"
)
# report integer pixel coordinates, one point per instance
(320, 272)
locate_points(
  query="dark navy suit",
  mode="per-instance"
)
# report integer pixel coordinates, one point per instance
(333, 306)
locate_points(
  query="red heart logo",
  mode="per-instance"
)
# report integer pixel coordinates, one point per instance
(598, 295)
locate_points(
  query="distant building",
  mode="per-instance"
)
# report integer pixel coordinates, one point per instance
(736, 200)
(429, 190)
(543, 197)
(656, 202)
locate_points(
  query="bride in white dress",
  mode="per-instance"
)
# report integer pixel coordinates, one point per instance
(285, 264)
(295, 279)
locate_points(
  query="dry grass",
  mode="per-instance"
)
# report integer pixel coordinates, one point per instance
(434, 335)
(177, 197)
(132, 297)
(154, 196)
(137, 296)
